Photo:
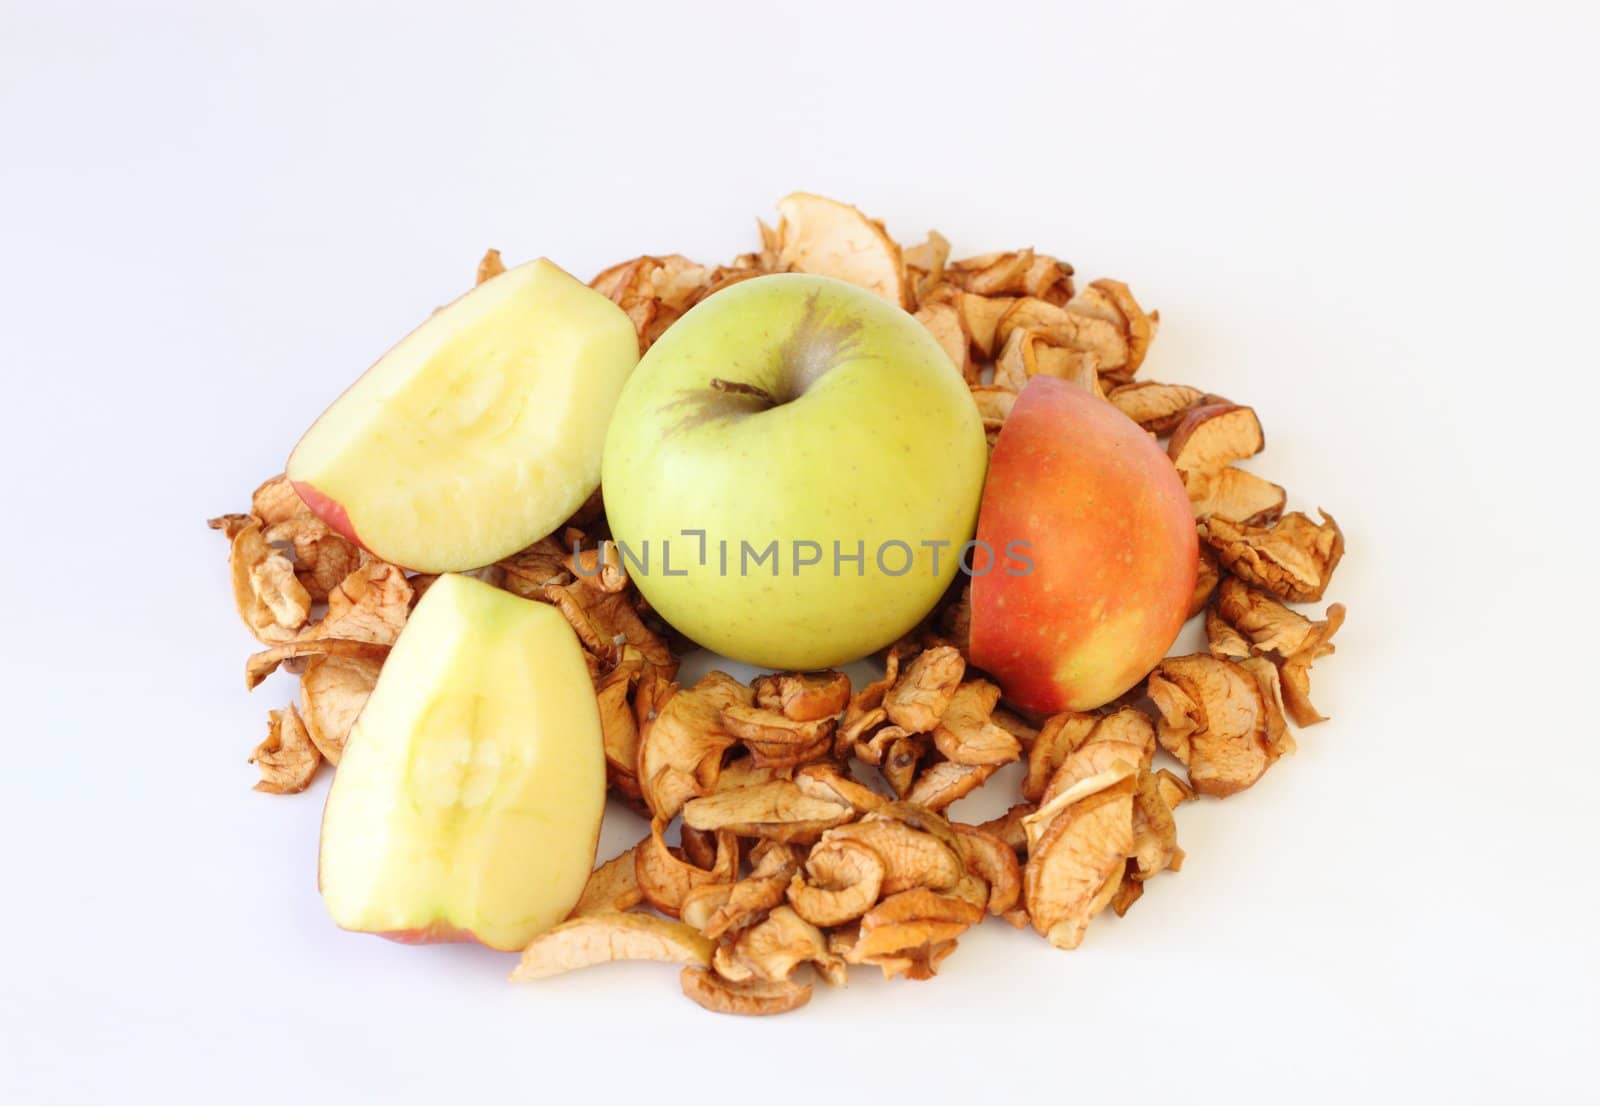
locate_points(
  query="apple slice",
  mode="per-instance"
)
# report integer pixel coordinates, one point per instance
(480, 432)
(468, 800)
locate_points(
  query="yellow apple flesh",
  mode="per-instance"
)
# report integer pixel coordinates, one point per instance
(468, 801)
(480, 432)
(794, 413)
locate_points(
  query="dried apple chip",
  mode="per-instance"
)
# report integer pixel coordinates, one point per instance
(490, 266)
(665, 877)
(1213, 720)
(922, 692)
(602, 938)
(946, 782)
(828, 238)
(774, 947)
(751, 998)
(1294, 558)
(680, 749)
(965, 733)
(333, 690)
(272, 602)
(803, 696)
(777, 810)
(1296, 668)
(286, 759)
(613, 888)
(1158, 408)
(841, 882)
(1076, 860)
(1235, 495)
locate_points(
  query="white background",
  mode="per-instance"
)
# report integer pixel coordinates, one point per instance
(1373, 221)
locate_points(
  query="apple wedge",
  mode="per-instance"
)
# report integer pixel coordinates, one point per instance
(480, 432)
(468, 800)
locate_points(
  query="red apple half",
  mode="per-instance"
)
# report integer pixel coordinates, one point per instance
(1094, 552)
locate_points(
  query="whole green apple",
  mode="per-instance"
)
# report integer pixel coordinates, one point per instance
(792, 471)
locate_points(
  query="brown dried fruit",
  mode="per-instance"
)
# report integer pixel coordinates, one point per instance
(803, 696)
(607, 624)
(992, 860)
(904, 928)
(665, 877)
(1060, 735)
(490, 267)
(752, 998)
(980, 318)
(543, 564)
(1155, 833)
(774, 947)
(322, 559)
(1235, 495)
(911, 857)
(925, 265)
(366, 613)
(286, 759)
(1294, 558)
(943, 321)
(828, 238)
(842, 880)
(965, 733)
(1158, 408)
(827, 780)
(276, 501)
(1269, 626)
(1110, 302)
(602, 938)
(1213, 436)
(680, 749)
(1296, 668)
(1213, 720)
(613, 888)
(619, 728)
(1205, 581)
(922, 692)
(718, 909)
(272, 602)
(758, 726)
(332, 692)
(900, 759)
(946, 782)
(1010, 827)
(1078, 848)
(777, 810)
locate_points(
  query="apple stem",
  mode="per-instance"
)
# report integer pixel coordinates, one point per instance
(738, 387)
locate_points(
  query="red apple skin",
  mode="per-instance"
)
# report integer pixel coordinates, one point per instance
(1111, 538)
(330, 512)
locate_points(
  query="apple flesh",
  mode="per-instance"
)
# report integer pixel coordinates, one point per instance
(794, 409)
(1112, 544)
(480, 432)
(468, 801)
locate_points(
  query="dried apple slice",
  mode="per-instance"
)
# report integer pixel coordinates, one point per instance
(603, 938)
(828, 238)
(1215, 435)
(752, 998)
(480, 432)
(1159, 408)
(1235, 495)
(1214, 721)
(1294, 558)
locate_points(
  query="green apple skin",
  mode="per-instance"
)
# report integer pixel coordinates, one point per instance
(845, 422)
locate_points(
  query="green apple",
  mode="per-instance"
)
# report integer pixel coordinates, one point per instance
(779, 431)
(468, 801)
(480, 432)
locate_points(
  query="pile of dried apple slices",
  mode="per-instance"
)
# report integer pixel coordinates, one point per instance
(481, 668)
